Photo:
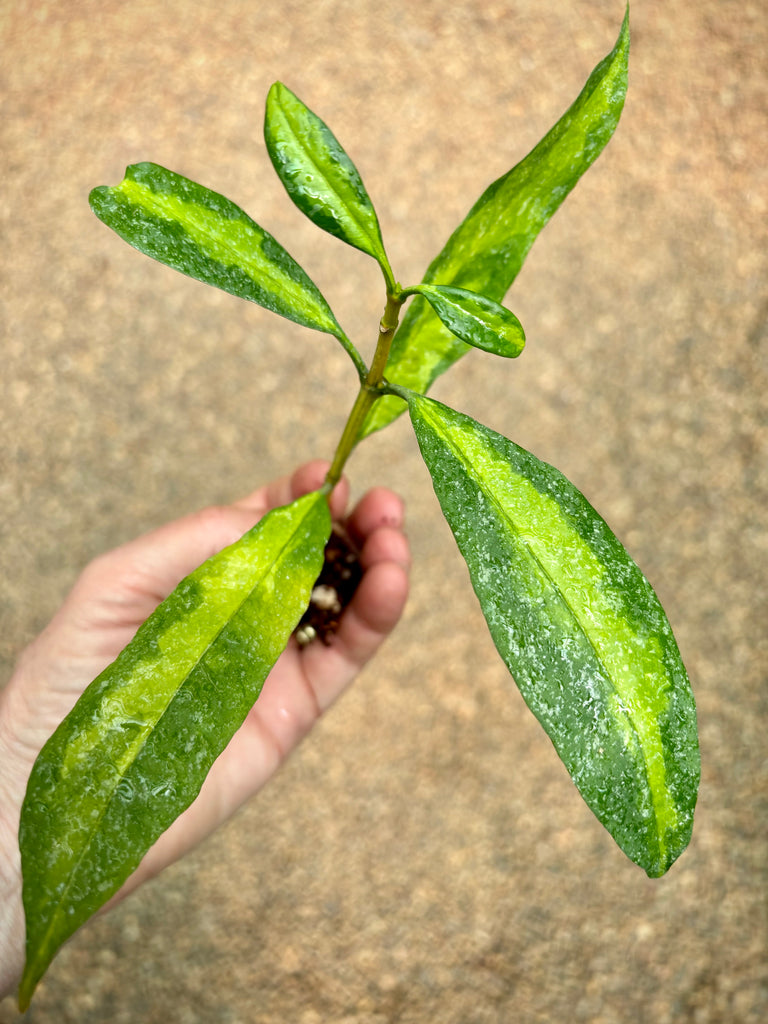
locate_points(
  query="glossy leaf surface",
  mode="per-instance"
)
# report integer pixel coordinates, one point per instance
(475, 319)
(134, 751)
(203, 234)
(488, 248)
(579, 628)
(318, 174)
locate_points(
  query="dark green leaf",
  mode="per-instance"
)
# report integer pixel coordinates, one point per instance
(134, 751)
(208, 237)
(475, 319)
(319, 176)
(579, 627)
(487, 250)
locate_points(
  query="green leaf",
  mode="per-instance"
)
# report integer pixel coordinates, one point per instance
(487, 250)
(319, 176)
(477, 320)
(203, 234)
(134, 752)
(579, 628)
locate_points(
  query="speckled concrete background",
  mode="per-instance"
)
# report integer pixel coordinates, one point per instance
(424, 857)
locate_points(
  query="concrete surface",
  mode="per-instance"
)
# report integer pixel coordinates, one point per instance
(424, 857)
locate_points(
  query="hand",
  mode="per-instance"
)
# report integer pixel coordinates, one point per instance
(108, 603)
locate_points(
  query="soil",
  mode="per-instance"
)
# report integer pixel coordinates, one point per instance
(333, 590)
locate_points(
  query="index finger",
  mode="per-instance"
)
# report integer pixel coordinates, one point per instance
(284, 490)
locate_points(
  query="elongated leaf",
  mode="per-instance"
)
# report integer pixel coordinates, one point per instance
(579, 627)
(488, 248)
(475, 319)
(319, 176)
(133, 753)
(203, 234)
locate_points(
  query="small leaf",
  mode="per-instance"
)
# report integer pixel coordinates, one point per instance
(134, 751)
(203, 234)
(579, 628)
(488, 248)
(319, 176)
(475, 319)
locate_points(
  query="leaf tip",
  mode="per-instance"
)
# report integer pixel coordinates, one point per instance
(661, 864)
(623, 41)
(95, 196)
(274, 90)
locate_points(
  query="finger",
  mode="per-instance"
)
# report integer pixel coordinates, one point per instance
(112, 597)
(310, 477)
(377, 606)
(153, 564)
(379, 507)
(386, 544)
(272, 495)
(307, 478)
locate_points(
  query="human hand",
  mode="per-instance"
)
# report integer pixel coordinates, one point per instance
(108, 603)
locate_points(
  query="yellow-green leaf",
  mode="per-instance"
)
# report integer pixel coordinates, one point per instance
(475, 319)
(319, 176)
(486, 251)
(135, 749)
(208, 237)
(579, 627)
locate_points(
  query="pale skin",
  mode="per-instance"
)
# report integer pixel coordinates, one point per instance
(108, 603)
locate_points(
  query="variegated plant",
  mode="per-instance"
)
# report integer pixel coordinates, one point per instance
(579, 626)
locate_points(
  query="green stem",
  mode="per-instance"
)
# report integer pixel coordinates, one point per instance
(370, 390)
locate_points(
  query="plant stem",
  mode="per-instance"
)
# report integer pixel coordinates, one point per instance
(369, 389)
